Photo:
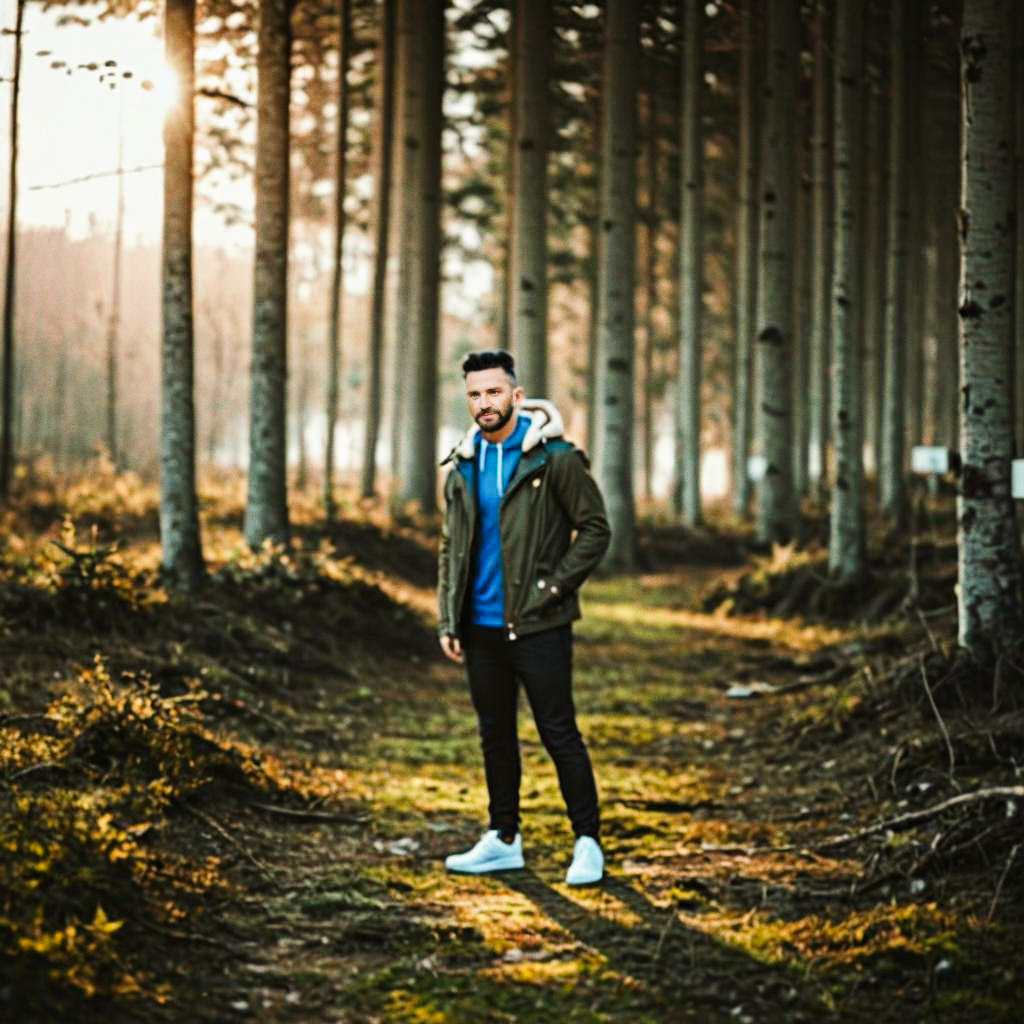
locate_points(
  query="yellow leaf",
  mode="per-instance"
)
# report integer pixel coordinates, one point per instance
(101, 923)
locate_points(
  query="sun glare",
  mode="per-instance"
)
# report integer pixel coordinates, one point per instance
(164, 86)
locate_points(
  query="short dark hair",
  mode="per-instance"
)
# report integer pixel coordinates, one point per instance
(488, 360)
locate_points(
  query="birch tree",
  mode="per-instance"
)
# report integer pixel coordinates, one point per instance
(182, 559)
(383, 149)
(846, 542)
(613, 393)
(821, 249)
(1018, 376)
(745, 275)
(266, 511)
(691, 280)
(891, 477)
(337, 282)
(776, 512)
(420, 70)
(7, 358)
(529, 270)
(990, 594)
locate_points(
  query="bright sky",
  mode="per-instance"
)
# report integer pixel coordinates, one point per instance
(70, 118)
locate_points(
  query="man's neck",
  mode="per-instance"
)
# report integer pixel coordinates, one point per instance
(504, 433)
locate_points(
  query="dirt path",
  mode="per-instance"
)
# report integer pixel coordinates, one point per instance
(356, 920)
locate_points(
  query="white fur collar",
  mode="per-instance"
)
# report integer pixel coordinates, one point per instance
(545, 423)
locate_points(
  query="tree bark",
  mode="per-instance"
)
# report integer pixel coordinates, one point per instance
(529, 271)
(746, 256)
(691, 277)
(776, 512)
(870, 324)
(613, 453)
(1018, 354)
(266, 512)
(114, 320)
(819, 345)
(651, 224)
(421, 69)
(800, 372)
(891, 472)
(182, 559)
(7, 361)
(381, 228)
(991, 582)
(337, 279)
(846, 542)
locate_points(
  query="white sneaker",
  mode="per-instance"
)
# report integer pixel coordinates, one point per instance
(587, 866)
(490, 854)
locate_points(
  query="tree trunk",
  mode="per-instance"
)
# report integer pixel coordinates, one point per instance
(114, 320)
(421, 70)
(691, 276)
(337, 281)
(381, 228)
(529, 271)
(819, 345)
(613, 450)
(776, 512)
(746, 256)
(1018, 354)
(873, 185)
(920, 86)
(800, 373)
(991, 582)
(179, 515)
(266, 513)
(846, 548)
(7, 361)
(651, 223)
(892, 456)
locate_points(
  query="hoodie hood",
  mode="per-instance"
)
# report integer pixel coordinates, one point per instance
(545, 424)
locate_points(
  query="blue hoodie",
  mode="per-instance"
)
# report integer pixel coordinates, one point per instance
(495, 466)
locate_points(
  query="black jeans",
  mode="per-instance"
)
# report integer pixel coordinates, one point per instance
(542, 662)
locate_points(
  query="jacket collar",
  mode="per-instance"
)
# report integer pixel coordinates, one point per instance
(545, 424)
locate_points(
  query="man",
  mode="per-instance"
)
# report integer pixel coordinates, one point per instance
(524, 526)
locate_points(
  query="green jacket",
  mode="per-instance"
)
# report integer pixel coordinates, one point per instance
(554, 530)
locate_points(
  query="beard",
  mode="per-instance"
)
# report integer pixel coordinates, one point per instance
(503, 416)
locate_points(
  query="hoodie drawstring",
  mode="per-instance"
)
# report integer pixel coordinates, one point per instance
(483, 462)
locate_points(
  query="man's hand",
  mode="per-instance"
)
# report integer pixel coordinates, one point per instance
(452, 648)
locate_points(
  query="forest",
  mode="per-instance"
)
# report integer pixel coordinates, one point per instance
(765, 257)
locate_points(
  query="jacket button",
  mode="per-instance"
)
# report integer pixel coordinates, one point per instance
(541, 584)
(511, 625)
(536, 482)
(512, 636)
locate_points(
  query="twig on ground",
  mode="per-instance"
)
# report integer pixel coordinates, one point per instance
(927, 628)
(15, 719)
(999, 885)
(663, 935)
(263, 869)
(902, 821)
(895, 765)
(938, 718)
(33, 768)
(309, 815)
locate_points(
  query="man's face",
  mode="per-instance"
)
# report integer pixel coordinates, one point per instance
(492, 398)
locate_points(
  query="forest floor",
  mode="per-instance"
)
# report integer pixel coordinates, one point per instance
(288, 759)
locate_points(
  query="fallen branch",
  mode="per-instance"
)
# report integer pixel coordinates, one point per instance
(903, 821)
(262, 868)
(898, 823)
(999, 885)
(43, 766)
(938, 718)
(309, 815)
